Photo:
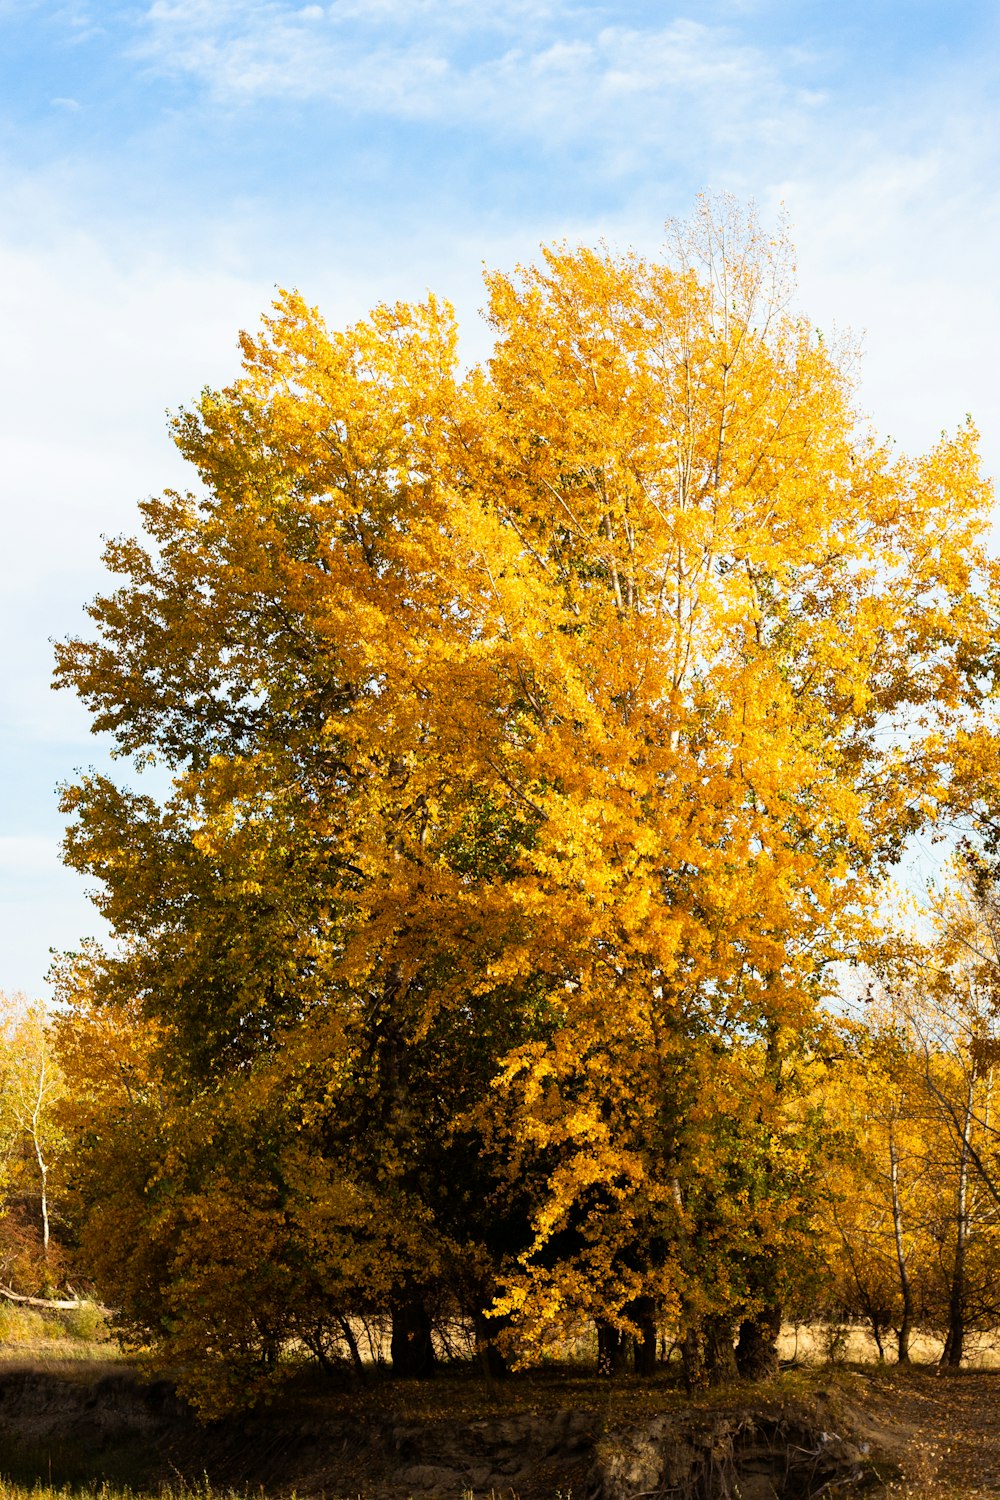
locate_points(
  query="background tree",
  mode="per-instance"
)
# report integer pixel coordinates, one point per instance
(946, 992)
(31, 1138)
(881, 1208)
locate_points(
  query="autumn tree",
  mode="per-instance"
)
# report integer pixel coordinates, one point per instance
(754, 649)
(880, 1210)
(538, 735)
(945, 992)
(911, 1207)
(31, 1088)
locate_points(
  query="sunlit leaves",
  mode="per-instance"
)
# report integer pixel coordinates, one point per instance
(537, 733)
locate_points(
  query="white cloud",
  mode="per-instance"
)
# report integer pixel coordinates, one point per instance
(97, 346)
(901, 243)
(105, 333)
(538, 73)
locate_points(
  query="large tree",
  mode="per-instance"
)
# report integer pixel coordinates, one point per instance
(538, 735)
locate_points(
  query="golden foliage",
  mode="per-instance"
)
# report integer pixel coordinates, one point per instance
(538, 734)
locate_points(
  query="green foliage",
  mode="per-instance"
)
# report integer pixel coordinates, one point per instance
(88, 1322)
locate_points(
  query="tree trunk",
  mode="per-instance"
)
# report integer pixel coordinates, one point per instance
(693, 1362)
(44, 1205)
(411, 1347)
(642, 1312)
(51, 1303)
(344, 1324)
(720, 1356)
(903, 1336)
(757, 1346)
(954, 1346)
(905, 1286)
(35, 1133)
(612, 1349)
(491, 1360)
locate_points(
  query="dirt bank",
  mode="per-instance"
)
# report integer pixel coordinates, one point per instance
(451, 1439)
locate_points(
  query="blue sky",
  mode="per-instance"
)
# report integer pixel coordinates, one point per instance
(163, 166)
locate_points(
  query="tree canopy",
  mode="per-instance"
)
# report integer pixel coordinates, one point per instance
(539, 735)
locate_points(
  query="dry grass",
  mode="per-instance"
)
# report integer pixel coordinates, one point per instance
(40, 1491)
(852, 1344)
(31, 1336)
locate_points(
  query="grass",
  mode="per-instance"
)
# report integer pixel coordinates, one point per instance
(822, 1344)
(30, 1335)
(11, 1490)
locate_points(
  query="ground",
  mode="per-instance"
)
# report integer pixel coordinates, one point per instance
(922, 1434)
(945, 1428)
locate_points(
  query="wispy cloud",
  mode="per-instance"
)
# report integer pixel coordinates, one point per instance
(901, 242)
(518, 68)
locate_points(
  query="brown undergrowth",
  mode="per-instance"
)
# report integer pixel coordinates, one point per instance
(917, 1434)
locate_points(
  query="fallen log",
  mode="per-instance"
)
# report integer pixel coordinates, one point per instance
(52, 1304)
